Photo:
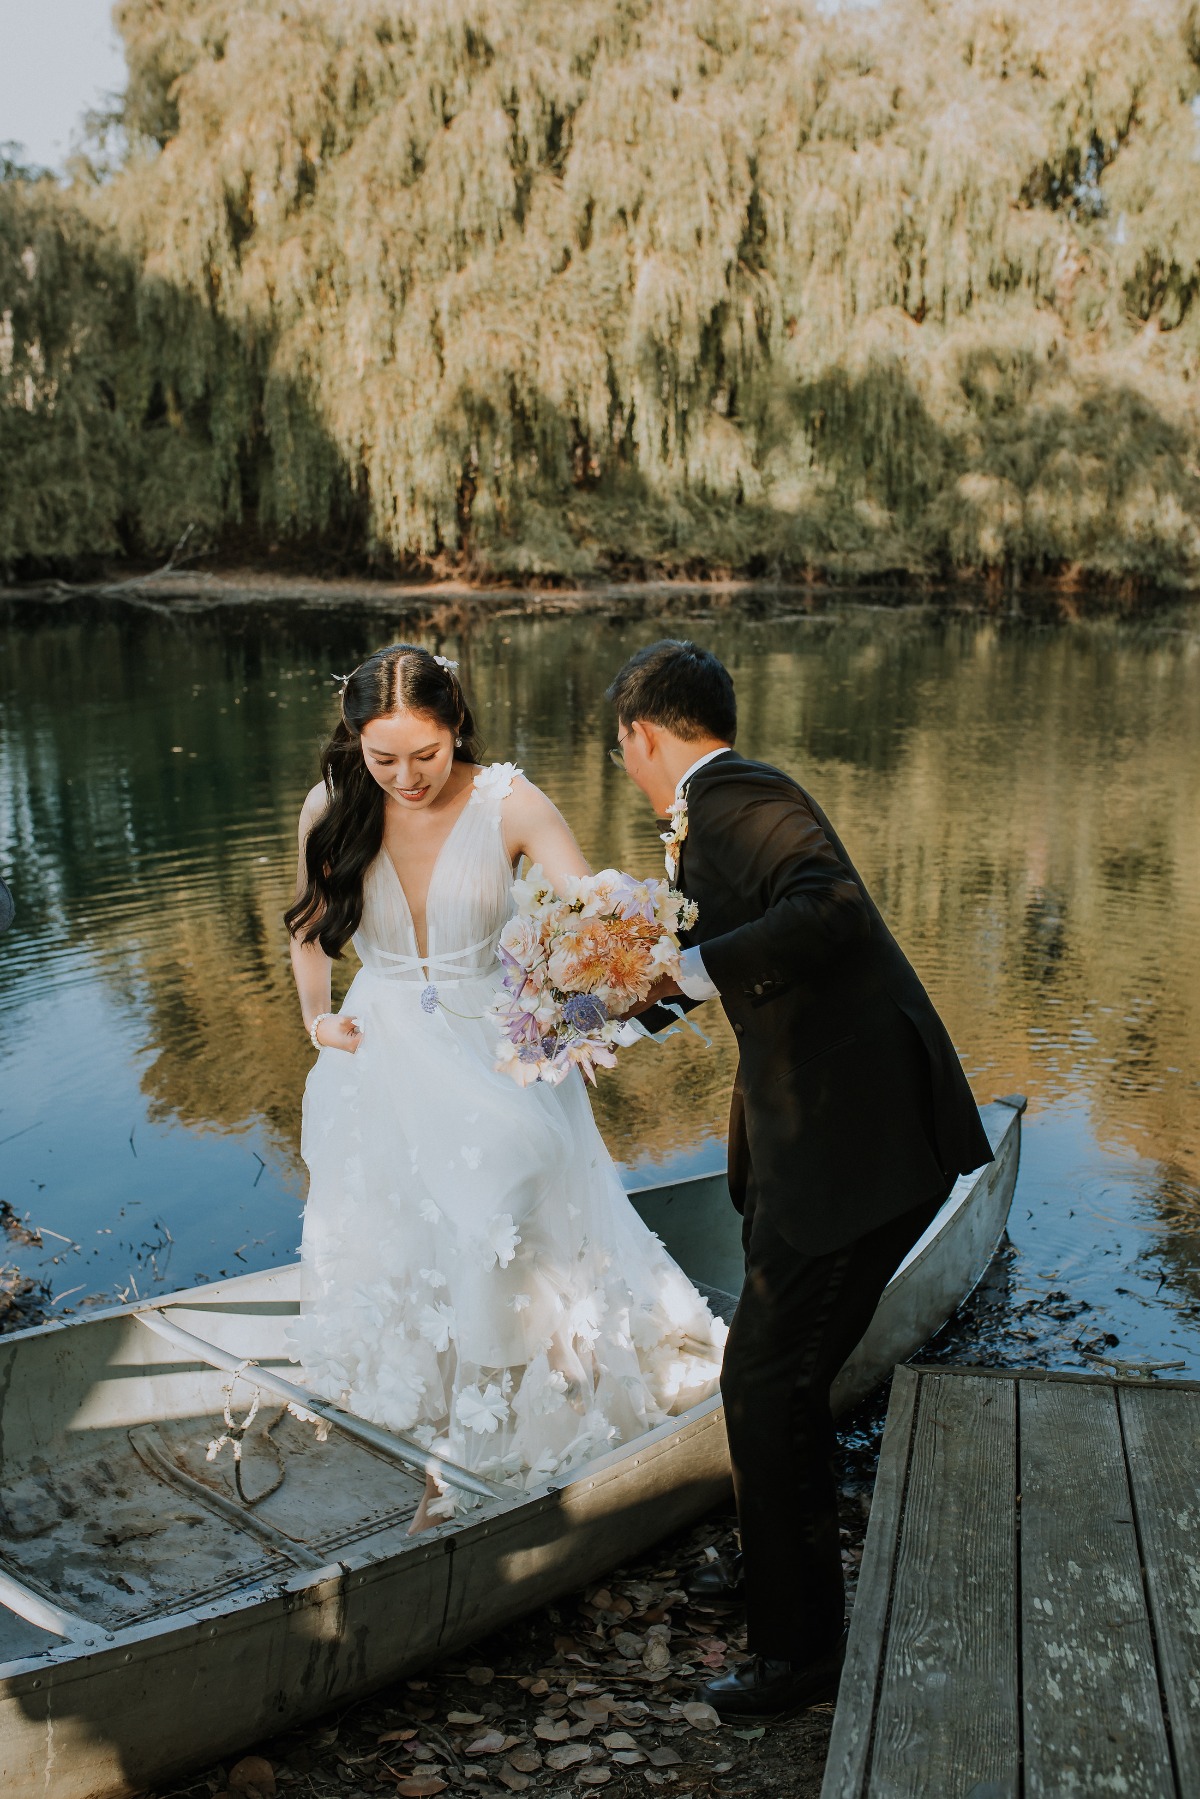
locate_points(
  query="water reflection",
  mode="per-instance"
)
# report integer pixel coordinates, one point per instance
(1022, 801)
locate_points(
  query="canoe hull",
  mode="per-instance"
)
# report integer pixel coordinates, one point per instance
(163, 1696)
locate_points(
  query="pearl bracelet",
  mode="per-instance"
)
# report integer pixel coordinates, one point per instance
(319, 1019)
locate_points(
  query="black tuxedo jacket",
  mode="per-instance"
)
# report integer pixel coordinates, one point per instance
(850, 1105)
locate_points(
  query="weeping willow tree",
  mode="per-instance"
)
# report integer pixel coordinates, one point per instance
(660, 284)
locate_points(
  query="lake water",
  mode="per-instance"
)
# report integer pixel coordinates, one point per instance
(1024, 801)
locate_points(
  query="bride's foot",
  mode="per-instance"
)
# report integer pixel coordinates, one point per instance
(421, 1519)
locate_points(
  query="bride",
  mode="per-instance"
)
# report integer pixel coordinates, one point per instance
(473, 1272)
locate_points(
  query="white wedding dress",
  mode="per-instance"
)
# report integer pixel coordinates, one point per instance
(473, 1272)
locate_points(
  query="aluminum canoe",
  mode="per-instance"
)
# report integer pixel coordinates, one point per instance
(151, 1622)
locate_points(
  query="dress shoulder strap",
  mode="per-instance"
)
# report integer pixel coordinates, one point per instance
(494, 783)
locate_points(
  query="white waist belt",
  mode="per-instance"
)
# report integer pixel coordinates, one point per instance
(442, 967)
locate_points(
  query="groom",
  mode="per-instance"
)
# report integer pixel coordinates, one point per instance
(851, 1118)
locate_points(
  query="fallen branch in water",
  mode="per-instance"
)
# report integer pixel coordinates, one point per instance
(175, 560)
(127, 590)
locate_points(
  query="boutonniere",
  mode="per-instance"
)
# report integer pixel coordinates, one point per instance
(676, 837)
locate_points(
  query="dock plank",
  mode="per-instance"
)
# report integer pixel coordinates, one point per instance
(947, 1719)
(850, 1742)
(1162, 1437)
(1028, 1616)
(1092, 1718)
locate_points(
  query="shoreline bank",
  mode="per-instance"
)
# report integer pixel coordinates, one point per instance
(445, 602)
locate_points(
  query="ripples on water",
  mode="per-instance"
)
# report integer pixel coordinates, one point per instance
(1022, 801)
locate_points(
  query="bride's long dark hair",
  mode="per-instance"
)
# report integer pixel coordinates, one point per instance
(349, 834)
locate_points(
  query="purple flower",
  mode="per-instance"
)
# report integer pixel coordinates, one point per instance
(429, 999)
(584, 1012)
(529, 1052)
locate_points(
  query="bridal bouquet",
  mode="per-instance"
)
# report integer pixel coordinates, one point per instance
(573, 961)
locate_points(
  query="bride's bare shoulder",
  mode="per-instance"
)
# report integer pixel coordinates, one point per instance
(536, 829)
(523, 800)
(315, 802)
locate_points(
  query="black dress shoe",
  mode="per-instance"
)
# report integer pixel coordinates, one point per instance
(719, 1582)
(765, 1688)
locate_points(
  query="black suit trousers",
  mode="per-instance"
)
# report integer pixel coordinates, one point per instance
(798, 1318)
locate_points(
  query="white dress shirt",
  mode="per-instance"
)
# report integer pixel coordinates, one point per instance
(693, 976)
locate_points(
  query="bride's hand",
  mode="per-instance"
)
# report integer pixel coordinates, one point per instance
(337, 1030)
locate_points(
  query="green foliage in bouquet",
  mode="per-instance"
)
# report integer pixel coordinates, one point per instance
(622, 285)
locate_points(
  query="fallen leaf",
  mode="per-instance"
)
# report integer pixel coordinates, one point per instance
(491, 1743)
(627, 1644)
(582, 1727)
(628, 1758)
(552, 1730)
(396, 1736)
(664, 1757)
(253, 1774)
(421, 1786)
(619, 1739)
(567, 1755)
(596, 1709)
(512, 1778)
(464, 1717)
(594, 1777)
(481, 1677)
(657, 1656)
(699, 1715)
(602, 1599)
(751, 1733)
(538, 1687)
(526, 1761)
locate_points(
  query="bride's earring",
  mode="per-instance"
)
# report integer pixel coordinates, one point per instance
(458, 743)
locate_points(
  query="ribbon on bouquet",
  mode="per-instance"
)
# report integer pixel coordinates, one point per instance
(637, 1029)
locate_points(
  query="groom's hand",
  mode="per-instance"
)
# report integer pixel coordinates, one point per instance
(664, 988)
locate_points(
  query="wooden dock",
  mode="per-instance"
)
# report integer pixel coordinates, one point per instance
(1028, 1613)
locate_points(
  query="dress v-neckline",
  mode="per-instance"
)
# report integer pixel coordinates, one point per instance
(433, 875)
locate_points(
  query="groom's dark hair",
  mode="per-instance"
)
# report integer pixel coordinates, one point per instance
(678, 686)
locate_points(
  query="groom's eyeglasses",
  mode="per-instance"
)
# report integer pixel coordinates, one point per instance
(617, 756)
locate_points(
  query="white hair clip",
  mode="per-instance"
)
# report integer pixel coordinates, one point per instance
(445, 662)
(343, 681)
